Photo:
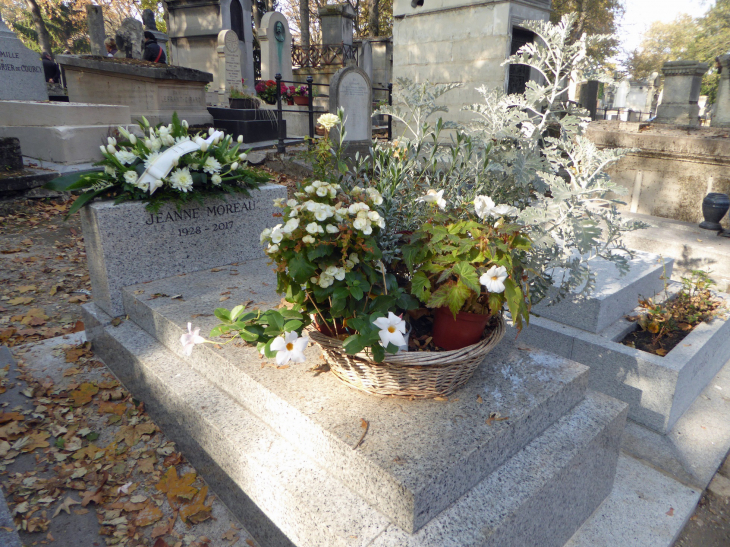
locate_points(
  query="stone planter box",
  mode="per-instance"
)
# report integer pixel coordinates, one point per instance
(153, 92)
(126, 244)
(658, 389)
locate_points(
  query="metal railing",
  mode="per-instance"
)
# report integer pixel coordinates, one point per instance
(281, 145)
(318, 55)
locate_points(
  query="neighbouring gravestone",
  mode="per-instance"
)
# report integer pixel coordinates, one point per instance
(275, 40)
(127, 244)
(148, 20)
(130, 37)
(95, 24)
(229, 65)
(721, 116)
(10, 157)
(21, 70)
(350, 89)
(682, 82)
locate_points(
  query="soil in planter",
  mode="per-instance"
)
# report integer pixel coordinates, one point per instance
(646, 341)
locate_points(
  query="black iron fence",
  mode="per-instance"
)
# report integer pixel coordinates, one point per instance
(318, 55)
(281, 145)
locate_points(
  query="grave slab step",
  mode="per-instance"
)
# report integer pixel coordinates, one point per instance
(658, 389)
(614, 295)
(419, 456)
(540, 496)
(252, 130)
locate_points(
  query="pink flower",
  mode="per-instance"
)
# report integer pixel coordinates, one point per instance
(190, 338)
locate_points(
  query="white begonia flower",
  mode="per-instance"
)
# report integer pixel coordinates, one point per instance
(310, 189)
(323, 213)
(340, 274)
(312, 228)
(289, 347)
(313, 279)
(125, 157)
(243, 157)
(234, 166)
(181, 180)
(325, 280)
(273, 249)
(353, 209)
(368, 230)
(110, 148)
(291, 203)
(265, 235)
(328, 121)
(332, 192)
(133, 139)
(130, 177)
(392, 329)
(373, 215)
(151, 159)
(360, 223)
(375, 196)
(279, 202)
(109, 170)
(331, 229)
(355, 258)
(493, 280)
(318, 183)
(291, 225)
(293, 212)
(331, 270)
(216, 179)
(112, 141)
(190, 338)
(155, 184)
(211, 165)
(432, 196)
(505, 210)
(276, 234)
(356, 191)
(349, 264)
(240, 139)
(483, 206)
(321, 191)
(308, 239)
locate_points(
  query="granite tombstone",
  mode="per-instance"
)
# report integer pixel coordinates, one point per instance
(95, 24)
(229, 65)
(682, 82)
(275, 39)
(351, 90)
(21, 70)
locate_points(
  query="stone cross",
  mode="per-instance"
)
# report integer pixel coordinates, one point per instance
(682, 81)
(350, 89)
(721, 116)
(21, 70)
(95, 23)
(275, 40)
(129, 38)
(229, 65)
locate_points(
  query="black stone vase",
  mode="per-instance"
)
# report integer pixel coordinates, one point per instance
(714, 207)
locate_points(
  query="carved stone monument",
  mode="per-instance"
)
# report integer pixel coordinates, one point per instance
(275, 40)
(130, 37)
(95, 24)
(148, 20)
(351, 90)
(682, 81)
(338, 22)
(229, 65)
(21, 71)
(721, 117)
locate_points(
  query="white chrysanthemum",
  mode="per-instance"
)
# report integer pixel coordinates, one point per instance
(151, 159)
(332, 229)
(308, 239)
(211, 165)
(130, 177)
(125, 157)
(181, 180)
(216, 179)
(328, 121)
(493, 280)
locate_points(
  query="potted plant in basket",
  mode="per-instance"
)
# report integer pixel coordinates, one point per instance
(510, 199)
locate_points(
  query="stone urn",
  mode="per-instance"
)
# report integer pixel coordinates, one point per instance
(714, 207)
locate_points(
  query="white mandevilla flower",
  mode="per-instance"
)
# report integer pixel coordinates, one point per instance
(289, 347)
(190, 338)
(493, 280)
(432, 196)
(181, 180)
(211, 165)
(328, 121)
(392, 329)
(130, 177)
(216, 179)
(125, 157)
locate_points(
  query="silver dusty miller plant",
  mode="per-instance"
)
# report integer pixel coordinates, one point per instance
(527, 150)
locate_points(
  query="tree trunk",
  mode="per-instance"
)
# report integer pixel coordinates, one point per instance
(44, 39)
(583, 11)
(374, 19)
(304, 23)
(256, 16)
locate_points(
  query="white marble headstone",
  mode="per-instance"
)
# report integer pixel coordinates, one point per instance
(275, 40)
(21, 70)
(229, 64)
(350, 89)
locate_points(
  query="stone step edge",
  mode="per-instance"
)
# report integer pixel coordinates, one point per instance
(383, 490)
(157, 373)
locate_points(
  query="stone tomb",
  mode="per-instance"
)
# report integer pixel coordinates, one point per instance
(682, 82)
(130, 38)
(127, 244)
(277, 444)
(155, 93)
(229, 66)
(350, 89)
(21, 70)
(721, 116)
(275, 39)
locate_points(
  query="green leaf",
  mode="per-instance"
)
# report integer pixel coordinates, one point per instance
(235, 311)
(354, 344)
(515, 300)
(62, 183)
(451, 294)
(421, 286)
(82, 200)
(468, 275)
(320, 251)
(294, 325)
(223, 314)
(248, 336)
(300, 268)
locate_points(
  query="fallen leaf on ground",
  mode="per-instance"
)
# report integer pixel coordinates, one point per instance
(149, 515)
(231, 534)
(66, 506)
(178, 489)
(20, 300)
(37, 440)
(196, 512)
(84, 394)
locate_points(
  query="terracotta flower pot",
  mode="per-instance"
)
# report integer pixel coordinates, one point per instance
(301, 100)
(329, 329)
(465, 330)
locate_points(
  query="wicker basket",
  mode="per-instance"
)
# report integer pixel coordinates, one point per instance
(411, 374)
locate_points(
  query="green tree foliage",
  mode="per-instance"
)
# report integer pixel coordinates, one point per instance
(67, 29)
(593, 17)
